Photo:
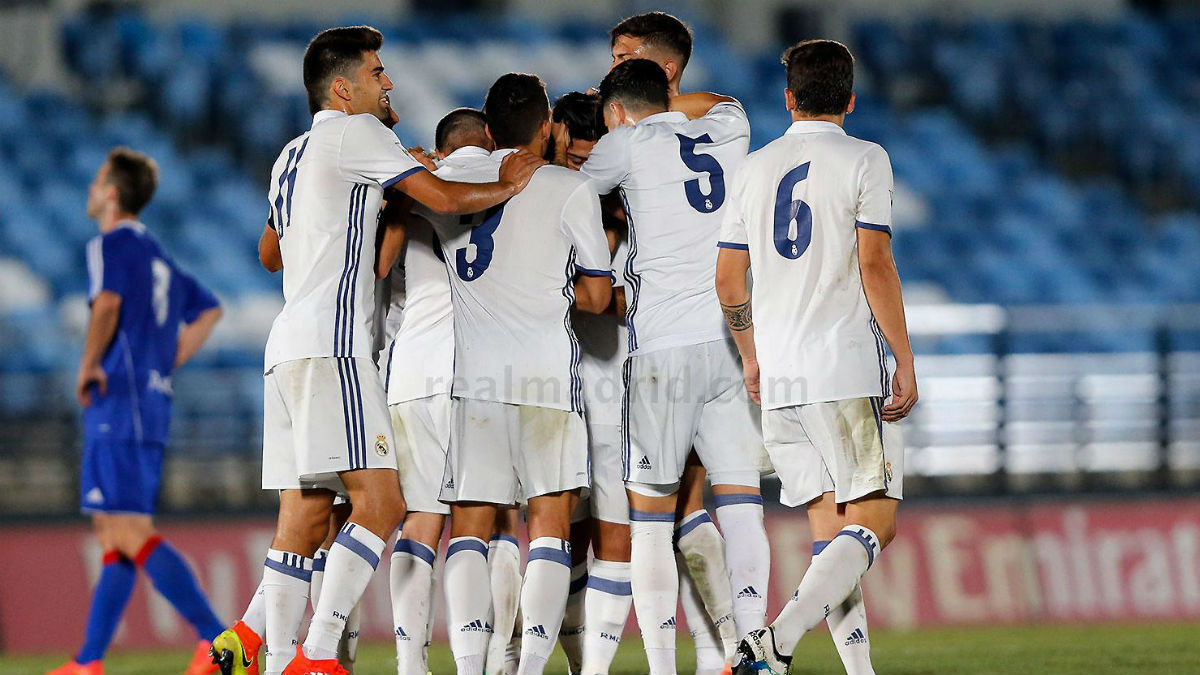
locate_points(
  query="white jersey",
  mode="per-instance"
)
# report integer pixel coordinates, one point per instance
(602, 338)
(796, 205)
(421, 356)
(672, 175)
(512, 280)
(325, 194)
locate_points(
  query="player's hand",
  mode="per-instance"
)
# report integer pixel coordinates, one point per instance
(423, 156)
(83, 384)
(750, 375)
(904, 393)
(517, 168)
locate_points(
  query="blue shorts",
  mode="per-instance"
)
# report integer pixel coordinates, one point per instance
(120, 476)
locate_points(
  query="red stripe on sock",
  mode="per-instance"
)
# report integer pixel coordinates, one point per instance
(147, 548)
(110, 557)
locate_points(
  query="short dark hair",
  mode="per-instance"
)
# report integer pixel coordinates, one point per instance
(638, 84)
(457, 128)
(820, 75)
(582, 114)
(657, 29)
(516, 107)
(135, 175)
(334, 52)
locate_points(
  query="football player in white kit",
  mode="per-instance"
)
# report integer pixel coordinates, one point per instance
(810, 216)
(419, 374)
(682, 376)
(700, 547)
(326, 424)
(516, 273)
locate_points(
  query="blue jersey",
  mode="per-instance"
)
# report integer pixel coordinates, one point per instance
(157, 297)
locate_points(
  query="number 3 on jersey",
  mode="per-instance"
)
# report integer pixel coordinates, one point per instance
(481, 239)
(788, 211)
(701, 163)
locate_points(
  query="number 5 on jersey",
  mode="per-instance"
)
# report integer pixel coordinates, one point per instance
(481, 240)
(702, 163)
(790, 243)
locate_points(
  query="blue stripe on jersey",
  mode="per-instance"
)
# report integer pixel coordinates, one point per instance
(588, 272)
(625, 446)
(399, 177)
(358, 246)
(632, 279)
(568, 291)
(883, 374)
(344, 317)
(278, 205)
(873, 226)
(732, 245)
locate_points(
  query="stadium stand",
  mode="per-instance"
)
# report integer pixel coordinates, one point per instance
(970, 121)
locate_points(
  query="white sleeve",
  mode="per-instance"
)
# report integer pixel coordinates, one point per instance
(733, 224)
(371, 153)
(608, 164)
(582, 225)
(874, 208)
(731, 119)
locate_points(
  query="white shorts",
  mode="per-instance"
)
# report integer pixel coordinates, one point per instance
(608, 500)
(843, 447)
(422, 430)
(323, 416)
(685, 397)
(500, 452)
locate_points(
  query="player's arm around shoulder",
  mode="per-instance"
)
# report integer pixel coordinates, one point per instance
(880, 279)
(451, 198)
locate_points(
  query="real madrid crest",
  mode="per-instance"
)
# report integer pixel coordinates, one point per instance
(381, 446)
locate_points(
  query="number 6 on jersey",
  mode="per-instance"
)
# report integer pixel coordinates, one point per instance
(790, 243)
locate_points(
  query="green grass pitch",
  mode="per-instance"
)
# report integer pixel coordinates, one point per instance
(1158, 649)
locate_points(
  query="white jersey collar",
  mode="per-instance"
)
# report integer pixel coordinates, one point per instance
(323, 115)
(502, 152)
(665, 116)
(813, 127)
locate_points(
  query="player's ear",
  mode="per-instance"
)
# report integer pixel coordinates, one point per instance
(789, 99)
(850, 106)
(671, 68)
(488, 131)
(339, 92)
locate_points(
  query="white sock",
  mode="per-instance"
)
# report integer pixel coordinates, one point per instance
(571, 633)
(411, 581)
(848, 627)
(605, 611)
(703, 550)
(655, 584)
(318, 576)
(348, 569)
(748, 557)
(512, 651)
(286, 578)
(468, 602)
(829, 580)
(348, 646)
(504, 569)
(710, 655)
(543, 601)
(255, 617)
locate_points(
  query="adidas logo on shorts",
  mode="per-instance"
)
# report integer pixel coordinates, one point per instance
(644, 463)
(449, 484)
(95, 496)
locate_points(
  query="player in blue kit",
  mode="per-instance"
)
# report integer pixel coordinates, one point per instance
(148, 317)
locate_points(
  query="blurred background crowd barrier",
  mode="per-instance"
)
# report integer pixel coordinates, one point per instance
(1047, 230)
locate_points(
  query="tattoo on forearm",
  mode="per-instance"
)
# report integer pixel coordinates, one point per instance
(738, 316)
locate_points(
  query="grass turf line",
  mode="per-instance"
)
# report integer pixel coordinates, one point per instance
(1158, 649)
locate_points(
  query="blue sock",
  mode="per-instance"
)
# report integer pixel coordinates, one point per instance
(108, 603)
(174, 580)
